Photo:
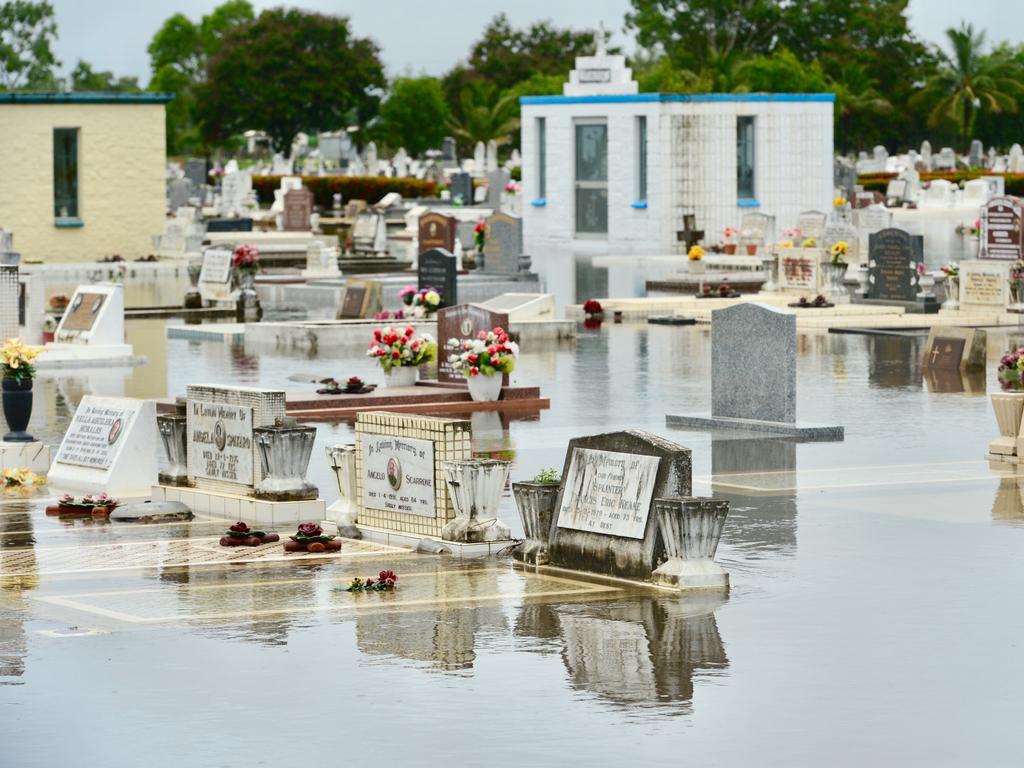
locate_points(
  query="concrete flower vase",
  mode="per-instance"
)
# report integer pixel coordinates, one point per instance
(1009, 408)
(344, 511)
(690, 530)
(475, 487)
(284, 451)
(536, 504)
(173, 432)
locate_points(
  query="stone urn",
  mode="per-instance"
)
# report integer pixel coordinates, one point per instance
(952, 292)
(17, 403)
(835, 275)
(249, 309)
(475, 487)
(284, 451)
(344, 511)
(770, 263)
(193, 298)
(173, 433)
(485, 389)
(400, 376)
(1009, 408)
(690, 530)
(863, 277)
(926, 282)
(536, 504)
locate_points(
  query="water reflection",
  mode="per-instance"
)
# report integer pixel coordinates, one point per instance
(955, 381)
(745, 471)
(15, 534)
(444, 637)
(894, 362)
(640, 651)
(1008, 506)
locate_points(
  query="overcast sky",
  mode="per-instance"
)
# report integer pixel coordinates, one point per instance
(423, 36)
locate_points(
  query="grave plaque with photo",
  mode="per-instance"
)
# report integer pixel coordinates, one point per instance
(221, 442)
(82, 311)
(436, 231)
(1001, 229)
(438, 269)
(893, 256)
(464, 321)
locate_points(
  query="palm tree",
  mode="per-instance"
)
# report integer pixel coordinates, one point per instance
(486, 114)
(857, 96)
(968, 81)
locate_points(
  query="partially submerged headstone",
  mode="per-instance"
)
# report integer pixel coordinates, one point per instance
(753, 375)
(91, 330)
(360, 299)
(215, 277)
(956, 349)
(110, 447)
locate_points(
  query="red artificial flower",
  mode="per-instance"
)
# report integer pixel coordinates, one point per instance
(240, 527)
(396, 354)
(409, 331)
(310, 529)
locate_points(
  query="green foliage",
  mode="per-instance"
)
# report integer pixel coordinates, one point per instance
(289, 71)
(414, 116)
(878, 182)
(368, 188)
(84, 78)
(968, 81)
(485, 114)
(782, 72)
(27, 29)
(548, 476)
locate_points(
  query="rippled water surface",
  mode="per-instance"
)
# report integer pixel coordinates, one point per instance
(874, 616)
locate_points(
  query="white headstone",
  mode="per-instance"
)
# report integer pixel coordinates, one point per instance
(95, 316)
(110, 447)
(215, 277)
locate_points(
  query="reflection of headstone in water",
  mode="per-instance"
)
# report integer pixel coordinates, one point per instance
(19, 577)
(630, 652)
(444, 636)
(1009, 500)
(762, 520)
(894, 361)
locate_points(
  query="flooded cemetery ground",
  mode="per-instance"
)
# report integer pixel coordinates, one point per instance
(872, 609)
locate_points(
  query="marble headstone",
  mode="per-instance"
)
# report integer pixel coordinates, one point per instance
(763, 387)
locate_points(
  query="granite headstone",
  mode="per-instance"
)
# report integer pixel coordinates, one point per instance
(298, 207)
(893, 256)
(436, 231)
(1001, 229)
(503, 243)
(438, 269)
(464, 321)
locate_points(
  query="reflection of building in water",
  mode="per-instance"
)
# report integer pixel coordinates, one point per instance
(445, 636)
(637, 651)
(1009, 502)
(894, 361)
(16, 540)
(756, 475)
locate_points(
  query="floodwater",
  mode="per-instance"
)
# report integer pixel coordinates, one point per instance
(873, 617)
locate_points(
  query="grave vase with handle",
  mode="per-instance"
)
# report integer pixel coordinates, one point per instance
(17, 400)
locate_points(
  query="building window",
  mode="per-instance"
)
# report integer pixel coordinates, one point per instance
(65, 173)
(591, 178)
(641, 160)
(745, 158)
(542, 158)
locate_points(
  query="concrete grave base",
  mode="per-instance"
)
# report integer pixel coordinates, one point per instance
(34, 456)
(690, 574)
(231, 507)
(808, 432)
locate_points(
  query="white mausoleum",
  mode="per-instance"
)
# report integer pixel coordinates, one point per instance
(609, 170)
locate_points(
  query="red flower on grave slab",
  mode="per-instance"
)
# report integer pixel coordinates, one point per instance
(239, 527)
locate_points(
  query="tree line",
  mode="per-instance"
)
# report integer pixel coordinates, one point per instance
(285, 70)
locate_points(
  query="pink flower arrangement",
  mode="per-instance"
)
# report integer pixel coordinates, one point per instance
(489, 353)
(394, 348)
(246, 258)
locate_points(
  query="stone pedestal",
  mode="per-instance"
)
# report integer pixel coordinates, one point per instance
(475, 487)
(1009, 409)
(345, 511)
(690, 530)
(284, 451)
(536, 504)
(173, 432)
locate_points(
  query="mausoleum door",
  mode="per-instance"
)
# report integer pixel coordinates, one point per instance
(591, 187)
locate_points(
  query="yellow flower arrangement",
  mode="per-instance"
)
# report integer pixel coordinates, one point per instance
(696, 253)
(839, 202)
(16, 358)
(786, 244)
(810, 242)
(24, 477)
(839, 251)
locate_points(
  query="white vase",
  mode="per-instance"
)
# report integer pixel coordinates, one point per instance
(1009, 408)
(485, 389)
(475, 487)
(402, 376)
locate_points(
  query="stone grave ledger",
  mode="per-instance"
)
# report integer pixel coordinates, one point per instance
(603, 521)
(110, 446)
(893, 256)
(438, 269)
(221, 450)
(436, 231)
(464, 321)
(400, 481)
(1001, 229)
(753, 364)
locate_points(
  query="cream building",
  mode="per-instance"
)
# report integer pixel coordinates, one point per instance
(83, 173)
